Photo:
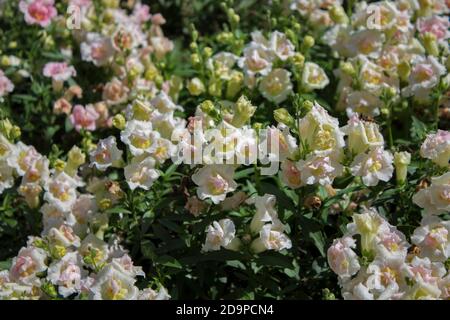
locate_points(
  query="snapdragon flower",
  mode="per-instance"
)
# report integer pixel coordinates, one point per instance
(221, 234)
(214, 182)
(373, 166)
(106, 154)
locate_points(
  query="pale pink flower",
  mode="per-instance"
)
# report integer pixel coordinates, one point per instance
(81, 3)
(436, 25)
(158, 19)
(84, 118)
(141, 13)
(59, 71)
(39, 12)
(5, 84)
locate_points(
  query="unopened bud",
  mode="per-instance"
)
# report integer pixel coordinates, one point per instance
(119, 121)
(281, 115)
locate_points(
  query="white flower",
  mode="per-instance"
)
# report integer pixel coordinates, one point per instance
(373, 166)
(150, 294)
(96, 49)
(321, 132)
(165, 149)
(425, 75)
(220, 234)
(342, 259)
(362, 135)
(362, 102)
(276, 86)
(163, 103)
(373, 78)
(313, 77)
(369, 224)
(385, 280)
(214, 182)
(22, 157)
(436, 147)
(6, 86)
(276, 144)
(436, 198)
(61, 191)
(112, 284)
(366, 42)
(221, 64)
(6, 176)
(432, 237)
(106, 154)
(125, 265)
(67, 274)
(93, 247)
(140, 137)
(38, 172)
(423, 270)
(256, 60)
(271, 238)
(290, 174)
(391, 246)
(281, 46)
(141, 173)
(6, 148)
(51, 217)
(319, 169)
(265, 212)
(27, 264)
(63, 236)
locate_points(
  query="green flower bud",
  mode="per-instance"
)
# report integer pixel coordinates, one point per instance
(430, 44)
(244, 110)
(404, 70)
(119, 121)
(195, 59)
(281, 115)
(337, 14)
(401, 162)
(207, 52)
(196, 87)
(308, 43)
(234, 85)
(347, 68)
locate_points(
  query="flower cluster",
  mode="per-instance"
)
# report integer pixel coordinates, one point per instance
(242, 156)
(389, 266)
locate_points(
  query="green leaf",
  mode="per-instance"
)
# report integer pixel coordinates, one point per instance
(418, 129)
(319, 241)
(169, 261)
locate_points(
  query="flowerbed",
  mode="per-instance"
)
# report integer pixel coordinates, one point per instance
(293, 150)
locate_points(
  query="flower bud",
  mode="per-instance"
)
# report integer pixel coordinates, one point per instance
(281, 115)
(105, 203)
(207, 52)
(59, 165)
(234, 85)
(298, 60)
(430, 44)
(215, 88)
(76, 158)
(308, 43)
(347, 68)
(196, 87)
(312, 202)
(338, 15)
(195, 59)
(244, 110)
(119, 121)
(15, 132)
(404, 70)
(401, 162)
